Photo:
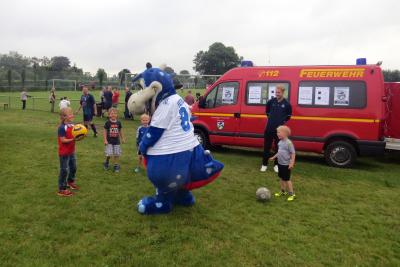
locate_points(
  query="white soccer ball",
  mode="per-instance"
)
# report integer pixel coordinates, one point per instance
(263, 194)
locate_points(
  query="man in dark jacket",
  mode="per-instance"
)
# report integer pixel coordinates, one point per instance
(128, 94)
(108, 99)
(278, 111)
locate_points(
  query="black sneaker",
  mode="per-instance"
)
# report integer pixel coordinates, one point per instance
(95, 135)
(106, 167)
(116, 168)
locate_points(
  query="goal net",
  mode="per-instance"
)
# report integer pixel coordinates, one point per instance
(63, 85)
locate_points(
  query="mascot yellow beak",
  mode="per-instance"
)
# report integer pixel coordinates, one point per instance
(137, 102)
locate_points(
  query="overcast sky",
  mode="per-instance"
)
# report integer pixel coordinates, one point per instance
(117, 34)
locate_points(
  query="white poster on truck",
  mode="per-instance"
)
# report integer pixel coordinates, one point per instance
(227, 95)
(305, 95)
(341, 96)
(322, 96)
(254, 95)
(271, 91)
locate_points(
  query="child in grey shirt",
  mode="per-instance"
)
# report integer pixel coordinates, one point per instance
(286, 157)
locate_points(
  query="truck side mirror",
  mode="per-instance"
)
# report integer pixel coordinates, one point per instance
(202, 102)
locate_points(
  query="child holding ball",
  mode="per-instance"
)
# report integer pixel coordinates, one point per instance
(66, 152)
(286, 157)
(112, 139)
(144, 120)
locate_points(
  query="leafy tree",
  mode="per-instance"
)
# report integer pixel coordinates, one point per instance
(76, 69)
(169, 70)
(60, 63)
(35, 62)
(45, 62)
(184, 72)
(121, 76)
(391, 75)
(14, 61)
(217, 60)
(23, 77)
(9, 78)
(101, 75)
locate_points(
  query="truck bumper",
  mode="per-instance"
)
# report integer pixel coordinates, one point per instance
(371, 148)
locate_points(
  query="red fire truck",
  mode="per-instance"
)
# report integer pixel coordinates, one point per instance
(341, 111)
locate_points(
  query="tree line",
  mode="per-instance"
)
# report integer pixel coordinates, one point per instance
(215, 61)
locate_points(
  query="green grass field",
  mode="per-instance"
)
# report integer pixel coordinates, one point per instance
(342, 217)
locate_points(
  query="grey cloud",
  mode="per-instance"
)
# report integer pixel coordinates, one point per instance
(126, 34)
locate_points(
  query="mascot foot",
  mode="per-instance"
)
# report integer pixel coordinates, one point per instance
(152, 205)
(184, 198)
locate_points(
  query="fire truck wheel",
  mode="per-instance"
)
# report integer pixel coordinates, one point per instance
(340, 154)
(202, 137)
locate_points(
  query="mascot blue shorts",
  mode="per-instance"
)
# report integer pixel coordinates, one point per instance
(176, 162)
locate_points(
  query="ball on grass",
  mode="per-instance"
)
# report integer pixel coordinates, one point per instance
(263, 194)
(79, 132)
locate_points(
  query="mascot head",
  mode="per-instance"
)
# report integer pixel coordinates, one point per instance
(157, 85)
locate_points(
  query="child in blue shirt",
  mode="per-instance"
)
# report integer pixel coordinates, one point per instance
(141, 131)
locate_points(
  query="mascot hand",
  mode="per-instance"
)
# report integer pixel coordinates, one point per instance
(150, 138)
(143, 149)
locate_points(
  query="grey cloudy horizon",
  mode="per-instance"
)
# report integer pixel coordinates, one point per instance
(126, 34)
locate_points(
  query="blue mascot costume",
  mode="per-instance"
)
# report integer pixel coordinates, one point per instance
(176, 162)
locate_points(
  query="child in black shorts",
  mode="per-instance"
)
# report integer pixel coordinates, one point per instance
(286, 157)
(113, 137)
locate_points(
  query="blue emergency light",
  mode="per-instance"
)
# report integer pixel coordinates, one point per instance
(361, 61)
(246, 63)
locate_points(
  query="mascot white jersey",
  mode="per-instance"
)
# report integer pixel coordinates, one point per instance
(176, 162)
(173, 115)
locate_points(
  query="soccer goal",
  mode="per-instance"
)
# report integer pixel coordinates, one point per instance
(63, 84)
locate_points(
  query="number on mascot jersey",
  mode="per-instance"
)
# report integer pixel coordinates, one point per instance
(184, 119)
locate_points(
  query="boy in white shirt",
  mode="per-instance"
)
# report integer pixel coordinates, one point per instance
(64, 103)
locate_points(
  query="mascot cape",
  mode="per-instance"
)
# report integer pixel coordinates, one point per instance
(176, 162)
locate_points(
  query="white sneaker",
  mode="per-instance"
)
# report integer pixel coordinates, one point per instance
(263, 168)
(276, 168)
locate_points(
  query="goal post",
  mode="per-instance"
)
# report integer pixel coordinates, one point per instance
(63, 84)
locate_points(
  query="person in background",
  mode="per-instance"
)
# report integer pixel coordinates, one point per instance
(189, 99)
(128, 94)
(64, 103)
(107, 98)
(24, 97)
(52, 98)
(101, 95)
(286, 157)
(88, 105)
(115, 98)
(278, 111)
